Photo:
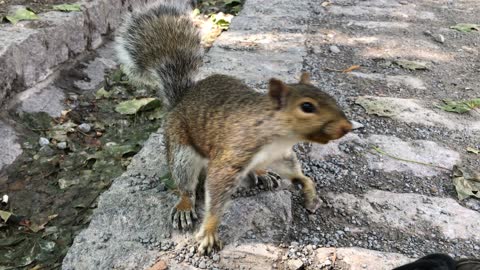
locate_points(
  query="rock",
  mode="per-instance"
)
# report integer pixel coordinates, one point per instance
(334, 49)
(8, 143)
(43, 141)
(202, 265)
(258, 213)
(216, 258)
(84, 128)
(62, 145)
(398, 210)
(295, 264)
(439, 38)
(418, 150)
(250, 256)
(46, 151)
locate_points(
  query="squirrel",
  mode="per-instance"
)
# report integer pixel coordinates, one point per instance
(219, 125)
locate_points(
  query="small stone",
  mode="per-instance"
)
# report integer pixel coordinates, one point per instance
(334, 49)
(43, 141)
(46, 151)
(216, 258)
(439, 38)
(295, 264)
(62, 145)
(84, 128)
(202, 265)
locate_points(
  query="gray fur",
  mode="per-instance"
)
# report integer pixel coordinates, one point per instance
(186, 167)
(159, 47)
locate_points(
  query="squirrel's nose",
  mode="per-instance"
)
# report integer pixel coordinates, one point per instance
(344, 128)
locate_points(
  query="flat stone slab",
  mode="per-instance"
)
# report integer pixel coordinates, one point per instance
(357, 259)
(8, 143)
(31, 50)
(419, 112)
(412, 213)
(426, 152)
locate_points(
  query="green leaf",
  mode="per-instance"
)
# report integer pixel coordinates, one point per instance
(21, 14)
(466, 27)
(67, 7)
(137, 105)
(473, 150)
(102, 93)
(411, 65)
(4, 215)
(196, 12)
(467, 182)
(460, 106)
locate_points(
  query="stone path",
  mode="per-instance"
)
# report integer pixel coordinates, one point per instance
(379, 212)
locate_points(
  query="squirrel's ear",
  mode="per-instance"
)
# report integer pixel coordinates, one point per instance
(305, 78)
(278, 91)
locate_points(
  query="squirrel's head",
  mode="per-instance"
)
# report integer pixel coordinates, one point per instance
(312, 114)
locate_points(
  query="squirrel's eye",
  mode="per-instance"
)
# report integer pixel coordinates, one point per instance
(307, 107)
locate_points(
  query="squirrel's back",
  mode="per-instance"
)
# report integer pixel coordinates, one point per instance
(160, 47)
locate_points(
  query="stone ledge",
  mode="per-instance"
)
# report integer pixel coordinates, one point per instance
(31, 50)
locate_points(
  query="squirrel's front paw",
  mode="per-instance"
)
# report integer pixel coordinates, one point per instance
(313, 203)
(269, 180)
(208, 241)
(183, 213)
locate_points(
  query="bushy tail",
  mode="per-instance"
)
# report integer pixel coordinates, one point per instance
(160, 47)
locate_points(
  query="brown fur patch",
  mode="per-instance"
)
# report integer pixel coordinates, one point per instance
(210, 224)
(185, 204)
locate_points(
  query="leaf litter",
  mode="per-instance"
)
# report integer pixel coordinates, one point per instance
(460, 107)
(466, 181)
(43, 218)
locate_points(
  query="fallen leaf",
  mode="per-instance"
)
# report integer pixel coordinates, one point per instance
(60, 132)
(411, 65)
(466, 181)
(67, 7)
(102, 93)
(4, 215)
(21, 14)
(473, 150)
(326, 3)
(460, 106)
(466, 27)
(160, 265)
(136, 105)
(350, 69)
(376, 107)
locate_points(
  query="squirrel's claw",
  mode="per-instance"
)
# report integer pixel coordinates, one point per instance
(269, 180)
(208, 242)
(183, 214)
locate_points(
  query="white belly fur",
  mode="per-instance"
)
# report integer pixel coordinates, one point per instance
(269, 153)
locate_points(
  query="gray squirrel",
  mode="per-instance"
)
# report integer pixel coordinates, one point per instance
(219, 125)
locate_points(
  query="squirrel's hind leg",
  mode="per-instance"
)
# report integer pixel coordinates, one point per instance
(289, 167)
(221, 182)
(185, 166)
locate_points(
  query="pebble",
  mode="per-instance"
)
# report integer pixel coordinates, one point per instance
(334, 49)
(62, 145)
(216, 258)
(202, 265)
(43, 141)
(84, 127)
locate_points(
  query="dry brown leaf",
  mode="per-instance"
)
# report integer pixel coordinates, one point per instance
(160, 265)
(350, 69)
